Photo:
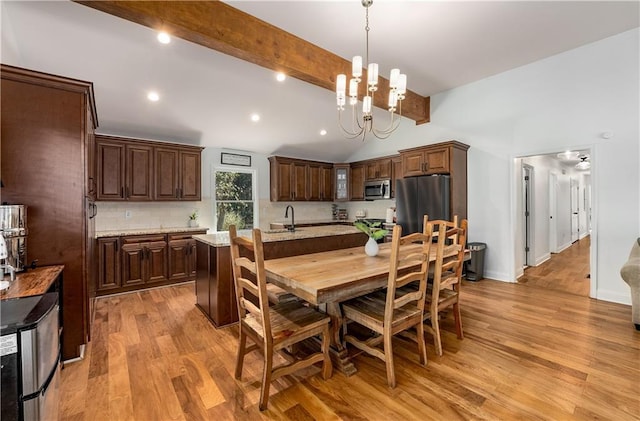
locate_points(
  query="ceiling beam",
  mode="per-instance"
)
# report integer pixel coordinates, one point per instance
(218, 26)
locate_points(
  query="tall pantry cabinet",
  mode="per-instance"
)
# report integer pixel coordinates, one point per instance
(47, 147)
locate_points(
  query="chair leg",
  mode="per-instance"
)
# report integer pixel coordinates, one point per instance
(388, 358)
(435, 326)
(458, 318)
(422, 347)
(327, 368)
(241, 352)
(266, 378)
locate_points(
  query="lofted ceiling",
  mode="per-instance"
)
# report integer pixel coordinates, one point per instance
(207, 97)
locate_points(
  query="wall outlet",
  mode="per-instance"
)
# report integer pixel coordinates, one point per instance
(127, 214)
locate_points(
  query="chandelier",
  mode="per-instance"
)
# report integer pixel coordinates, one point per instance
(362, 122)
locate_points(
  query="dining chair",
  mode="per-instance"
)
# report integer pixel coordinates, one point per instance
(271, 327)
(443, 290)
(388, 312)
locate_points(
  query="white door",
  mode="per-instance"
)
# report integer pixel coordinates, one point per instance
(575, 209)
(553, 227)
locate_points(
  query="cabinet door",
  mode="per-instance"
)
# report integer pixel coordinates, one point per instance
(190, 175)
(300, 181)
(326, 175)
(357, 182)
(91, 186)
(371, 170)
(156, 261)
(396, 171)
(437, 161)
(139, 172)
(166, 177)
(315, 182)
(192, 258)
(281, 185)
(111, 177)
(413, 163)
(108, 264)
(384, 168)
(179, 259)
(133, 261)
(341, 174)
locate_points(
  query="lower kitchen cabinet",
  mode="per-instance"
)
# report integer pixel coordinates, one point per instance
(129, 263)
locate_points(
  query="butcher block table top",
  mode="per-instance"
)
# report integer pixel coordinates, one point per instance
(337, 275)
(31, 282)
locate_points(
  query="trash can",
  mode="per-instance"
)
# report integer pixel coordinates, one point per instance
(474, 268)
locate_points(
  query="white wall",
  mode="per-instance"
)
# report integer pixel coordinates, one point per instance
(563, 102)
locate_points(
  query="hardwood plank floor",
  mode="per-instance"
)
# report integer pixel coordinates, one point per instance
(528, 353)
(566, 271)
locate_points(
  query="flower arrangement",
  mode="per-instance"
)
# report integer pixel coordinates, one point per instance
(194, 215)
(372, 229)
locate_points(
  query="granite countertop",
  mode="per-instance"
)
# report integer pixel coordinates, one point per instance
(221, 239)
(146, 231)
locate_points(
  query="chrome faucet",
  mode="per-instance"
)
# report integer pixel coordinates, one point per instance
(292, 227)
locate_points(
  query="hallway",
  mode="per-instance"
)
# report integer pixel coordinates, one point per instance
(566, 271)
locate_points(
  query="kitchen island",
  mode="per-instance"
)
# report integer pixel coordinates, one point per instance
(215, 294)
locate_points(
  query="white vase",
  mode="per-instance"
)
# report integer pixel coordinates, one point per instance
(371, 248)
(193, 223)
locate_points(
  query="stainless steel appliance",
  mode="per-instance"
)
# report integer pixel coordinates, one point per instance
(419, 196)
(30, 358)
(13, 225)
(377, 189)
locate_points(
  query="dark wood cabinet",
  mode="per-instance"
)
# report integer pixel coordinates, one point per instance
(396, 173)
(300, 180)
(357, 181)
(124, 170)
(177, 174)
(443, 158)
(378, 169)
(144, 260)
(138, 170)
(130, 263)
(108, 263)
(46, 130)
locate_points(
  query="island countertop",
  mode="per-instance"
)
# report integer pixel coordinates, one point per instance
(146, 231)
(221, 239)
(32, 282)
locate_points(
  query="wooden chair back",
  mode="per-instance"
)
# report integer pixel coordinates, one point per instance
(241, 247)
(400, 255)
(451, 238)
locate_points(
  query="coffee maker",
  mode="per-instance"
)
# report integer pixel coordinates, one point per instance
(13, 227)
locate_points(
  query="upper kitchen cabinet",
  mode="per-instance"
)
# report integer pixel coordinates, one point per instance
(396, 173)
(378, 169)
(47, 128)
(300, 180)
(177, 173)
(341, 181)
(356, 185)
(441, 158)
(125, 170)
(137, 170)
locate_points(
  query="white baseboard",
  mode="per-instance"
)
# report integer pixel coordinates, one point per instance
(613, 296)
(498, 276)
(563, 247)
(584, 234)
(543, 259)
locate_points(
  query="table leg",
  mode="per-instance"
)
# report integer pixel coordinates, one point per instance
(339, 355)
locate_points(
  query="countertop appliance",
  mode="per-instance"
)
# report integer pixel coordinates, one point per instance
(419, 196)
(13, 227)
(30, 358)
(377, 189)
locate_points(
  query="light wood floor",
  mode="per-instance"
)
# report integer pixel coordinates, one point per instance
(528, 354)
(566, 271)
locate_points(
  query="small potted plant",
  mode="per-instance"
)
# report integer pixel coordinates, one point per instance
(375, 232)
(193, 219)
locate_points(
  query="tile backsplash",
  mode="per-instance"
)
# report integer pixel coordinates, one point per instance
(143, 215)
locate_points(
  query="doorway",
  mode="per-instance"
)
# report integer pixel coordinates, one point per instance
(552, 241)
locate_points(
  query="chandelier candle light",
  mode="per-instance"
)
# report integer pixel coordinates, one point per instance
(361, 124)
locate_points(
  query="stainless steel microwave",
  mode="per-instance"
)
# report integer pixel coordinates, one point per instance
(378, 189)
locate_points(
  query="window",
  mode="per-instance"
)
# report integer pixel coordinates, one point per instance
(234, 202)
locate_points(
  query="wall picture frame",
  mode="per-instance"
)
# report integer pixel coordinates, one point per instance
(235, 159)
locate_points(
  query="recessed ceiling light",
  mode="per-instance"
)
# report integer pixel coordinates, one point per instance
(153, 96)
(323, 132)
(255, 117)
(280, 77)
(164, 38)
(569, 155)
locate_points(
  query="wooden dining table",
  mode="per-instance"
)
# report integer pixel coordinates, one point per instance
(328, 278)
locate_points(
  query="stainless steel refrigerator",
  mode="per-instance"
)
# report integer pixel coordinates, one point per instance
(419, 196)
